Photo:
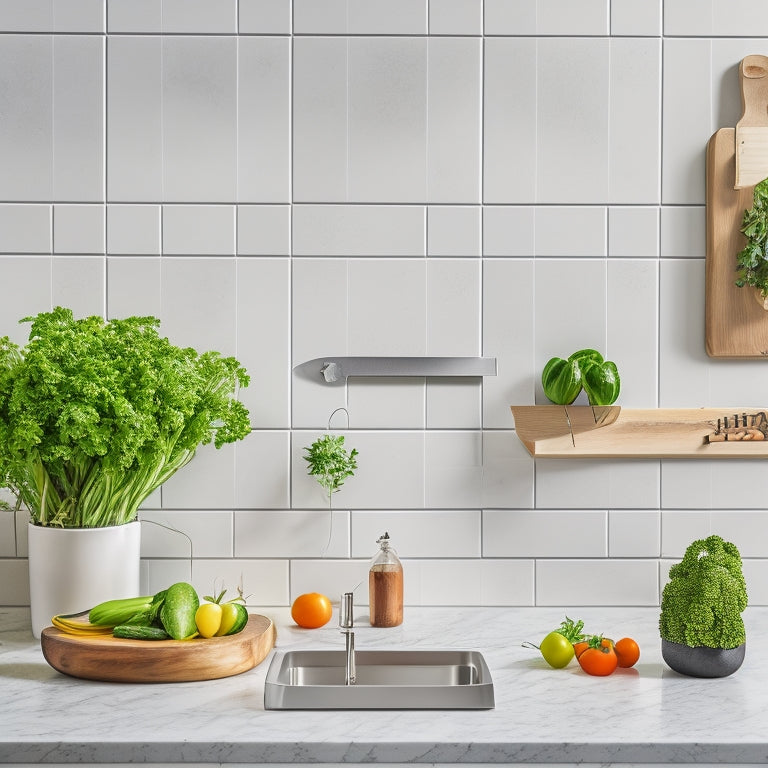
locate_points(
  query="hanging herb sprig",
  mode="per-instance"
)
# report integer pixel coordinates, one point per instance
(752, 260)
(330, 463)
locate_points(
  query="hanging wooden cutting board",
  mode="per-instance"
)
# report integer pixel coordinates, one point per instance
(736, 323)
(115, 659)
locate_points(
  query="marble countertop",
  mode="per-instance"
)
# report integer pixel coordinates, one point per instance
(648, 714)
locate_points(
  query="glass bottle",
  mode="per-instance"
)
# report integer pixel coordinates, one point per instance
(385, 586)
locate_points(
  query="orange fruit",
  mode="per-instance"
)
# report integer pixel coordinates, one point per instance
(311, 610)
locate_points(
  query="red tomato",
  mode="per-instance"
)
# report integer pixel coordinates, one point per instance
(601, 660)
(580, 647)
(627, 652)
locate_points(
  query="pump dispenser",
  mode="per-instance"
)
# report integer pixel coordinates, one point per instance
(385, 586)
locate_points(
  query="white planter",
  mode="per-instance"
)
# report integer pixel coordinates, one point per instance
(73, 569)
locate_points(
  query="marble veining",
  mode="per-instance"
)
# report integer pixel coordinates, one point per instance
(648, 714)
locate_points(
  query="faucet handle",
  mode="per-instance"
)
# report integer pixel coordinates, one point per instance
(346, 615)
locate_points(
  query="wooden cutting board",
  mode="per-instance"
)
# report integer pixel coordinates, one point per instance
(736, 323)
(120, 660)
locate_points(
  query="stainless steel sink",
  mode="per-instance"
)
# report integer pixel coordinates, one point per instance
(403, 679)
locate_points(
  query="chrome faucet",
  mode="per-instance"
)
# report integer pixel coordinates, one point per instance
(347, 623)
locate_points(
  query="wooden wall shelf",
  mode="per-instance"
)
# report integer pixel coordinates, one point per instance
(607, 432)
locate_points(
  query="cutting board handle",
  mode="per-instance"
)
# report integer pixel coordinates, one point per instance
(753, 76)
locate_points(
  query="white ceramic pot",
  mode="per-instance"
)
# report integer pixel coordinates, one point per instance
(73, 569)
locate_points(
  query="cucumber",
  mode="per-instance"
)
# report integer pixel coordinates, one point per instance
(136, 632)
(238, 625)
(178, 611)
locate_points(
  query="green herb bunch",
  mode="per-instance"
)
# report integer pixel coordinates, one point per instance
(96, 415)
(752, 260)
(330, 462)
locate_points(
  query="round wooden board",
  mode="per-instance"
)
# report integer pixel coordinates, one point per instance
(120, 660)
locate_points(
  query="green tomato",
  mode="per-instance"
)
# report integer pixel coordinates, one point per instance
(556, 650)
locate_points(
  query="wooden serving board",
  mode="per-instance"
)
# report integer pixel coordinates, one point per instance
(120, 660)
(736, 323)
(610, 432)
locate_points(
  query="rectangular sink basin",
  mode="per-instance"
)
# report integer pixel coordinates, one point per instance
(403, 679)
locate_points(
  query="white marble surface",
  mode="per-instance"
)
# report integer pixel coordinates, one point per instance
(542, 715)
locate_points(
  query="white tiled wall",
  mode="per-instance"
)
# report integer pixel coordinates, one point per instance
(286, 179)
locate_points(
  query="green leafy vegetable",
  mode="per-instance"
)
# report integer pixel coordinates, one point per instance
(563, 379)
(702, 603)
(752, 260)
(330, 462)
(601, 381)
(96, 415)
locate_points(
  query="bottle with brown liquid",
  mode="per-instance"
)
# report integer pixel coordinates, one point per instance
(385, 586)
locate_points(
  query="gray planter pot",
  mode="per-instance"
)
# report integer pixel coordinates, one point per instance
(702, 661)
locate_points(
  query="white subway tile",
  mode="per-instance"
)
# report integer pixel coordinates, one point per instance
(264, 582)
(687, 119)
(453, 120)
(14, 582)
(510, 17)
(509, 231)
(635, 121)
(739, 18)
(25, 228)
(455, 17)
(539, 533)
(703, 484)
(390, 472)
(508, 472)
(158, 574)
(22, 533)
(199, 111)
(453, 464)
(510, 137)
(585, 484)
(79, 283)
(756, 576)
(35, 274)
(453, 230)
(332, 578)
(207, 230)
(29, 16)
(320, 125)
(134, 16)
(200, 533)
(752, 383)
(570, 231)
(264, 338)
(386, 402)
(263, 119)
(262, 471)
(430, 533)
(320, 16)
(26, 156)
(264, 17)
(289, 533)
(263, 230)
(633, 232)
(632, 328)
(507, 582)
(684, 368)
(508, 303)
(573, 117)
(727, 52)
(357, 230)
(386, 307)
(199, 16)
(134, 119)
(597, 582)
(680, 528)
(387, 17)
(686, 485)
(78, 229)
(133, 287)
(78, 16)
(207, 482)
(78, 118)
(133, 229)
(628, 17)
(688, 18)
(634, 533)
(453, 403)
(199, 303)
(683, 230)
(546, 17)
(453, 307)
(387, 140)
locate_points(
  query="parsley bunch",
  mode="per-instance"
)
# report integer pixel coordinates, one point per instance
(95, 415)
(330, 462)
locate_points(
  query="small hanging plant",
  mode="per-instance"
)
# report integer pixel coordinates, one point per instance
(752, 260)
(330, 462)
